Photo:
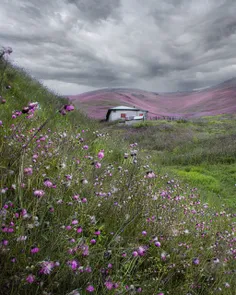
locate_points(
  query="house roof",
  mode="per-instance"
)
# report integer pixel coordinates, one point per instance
(126, 108)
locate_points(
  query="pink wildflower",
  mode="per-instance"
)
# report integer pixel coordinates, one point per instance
(79, 230)
(85, 250)
(93, 241)
(30, 279)
(46, 267)
(141, 251)
(48, 183)
(39, 193)
(101, 154)
(109, 285)
(90, 288)
(97, 232)
(5, 242)
(69, 108)
(135, 253)
(34, 250)
(98, 165)
(73, 264)
(157, 244)
(28, 171)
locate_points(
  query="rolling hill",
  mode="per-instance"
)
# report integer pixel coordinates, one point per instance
(215, 100)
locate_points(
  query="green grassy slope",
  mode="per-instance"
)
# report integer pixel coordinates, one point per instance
(81, 212)
(201, 152)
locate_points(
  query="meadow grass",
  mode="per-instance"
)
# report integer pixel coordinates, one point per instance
(84, 211)
(201, 152)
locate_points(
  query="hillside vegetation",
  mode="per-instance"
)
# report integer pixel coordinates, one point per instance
(83, 211)
(201, 152)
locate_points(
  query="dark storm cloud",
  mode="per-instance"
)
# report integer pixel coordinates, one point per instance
(157, 45)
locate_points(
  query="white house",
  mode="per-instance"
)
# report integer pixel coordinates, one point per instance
(126, 114)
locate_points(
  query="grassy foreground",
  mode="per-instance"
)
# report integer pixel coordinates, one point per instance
(82, 212)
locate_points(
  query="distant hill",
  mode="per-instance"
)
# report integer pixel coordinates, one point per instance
(214, 100)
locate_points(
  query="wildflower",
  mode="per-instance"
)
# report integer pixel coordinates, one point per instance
(141, 251)
(39, 193)
(73, 264)
(28, 171)
(157, 244)
(109, 285)
(135, 253)
(85, 147)
(5, 242)
(163, 256)
(34, 250)
(97, 232)
(21, 239)
(79, 230)
(69, 108)
(93, 241)
(68, 177)
(150, 174)
(216, 260)
(144, 233)
(30, 279)
(48, 183)
(98, 165)
(1, 123)
(90, 288)
(101, 154)
(196, 261)
(46, 267)
(85, 250)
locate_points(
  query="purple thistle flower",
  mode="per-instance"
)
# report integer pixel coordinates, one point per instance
(93, 241)
(90, 288)
(196, 261)
(34, 250)
(46, 267)
(69, 108)
(109, 285)
(39, 193)
(30, 279)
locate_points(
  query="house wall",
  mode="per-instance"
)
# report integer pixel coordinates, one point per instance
(116, 115)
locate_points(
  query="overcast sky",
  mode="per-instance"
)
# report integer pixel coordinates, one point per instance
(73, 46)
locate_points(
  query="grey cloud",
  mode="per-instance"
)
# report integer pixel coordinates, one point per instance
(96, 9)
(158, 45)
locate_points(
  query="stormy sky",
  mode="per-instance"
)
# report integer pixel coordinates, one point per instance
(73, 46)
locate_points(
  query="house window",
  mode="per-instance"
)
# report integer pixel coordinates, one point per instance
(123, 115)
